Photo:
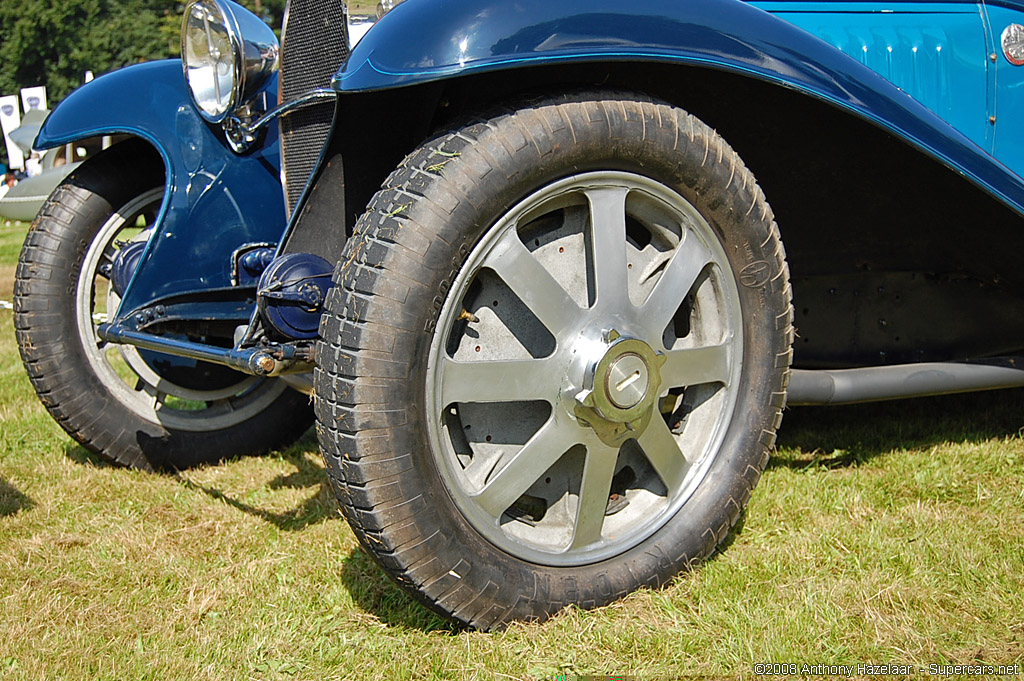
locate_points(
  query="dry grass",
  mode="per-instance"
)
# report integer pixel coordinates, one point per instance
(362, 7)
(7, 282)
(885, 533)
(11, 236)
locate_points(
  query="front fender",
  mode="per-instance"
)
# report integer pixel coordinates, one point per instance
(425, 41)
(214, 200)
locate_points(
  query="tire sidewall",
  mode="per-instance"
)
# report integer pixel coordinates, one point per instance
(695, 169)
(50, 340)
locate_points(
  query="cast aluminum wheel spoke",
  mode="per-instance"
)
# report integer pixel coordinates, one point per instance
(533, 284)
(662, 450)
(594, 490)
(608, 224)
(523, 469)
(515, 380)
(109, 256)
(597, 234)
(680, 275)
(155, 398)
(693, 366)
(227, 404)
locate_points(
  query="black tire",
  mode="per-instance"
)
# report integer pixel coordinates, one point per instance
(425, 446)
(77, 381)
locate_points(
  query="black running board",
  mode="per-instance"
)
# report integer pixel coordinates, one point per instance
(874, 384)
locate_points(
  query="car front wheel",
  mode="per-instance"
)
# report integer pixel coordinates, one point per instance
(556, 358)
(131, 407)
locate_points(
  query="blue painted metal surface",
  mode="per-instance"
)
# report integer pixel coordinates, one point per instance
(215, 200)
(936, 53)
(853, 55)
(424, 41)
(1009, 111)
(291, 293)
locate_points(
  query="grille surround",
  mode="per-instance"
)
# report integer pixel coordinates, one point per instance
(314, 44)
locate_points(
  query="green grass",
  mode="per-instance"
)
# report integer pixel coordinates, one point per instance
(362, 7)
(880, 533)
(11, 235)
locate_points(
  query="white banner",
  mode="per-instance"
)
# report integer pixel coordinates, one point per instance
(10, 119)
(33, 98)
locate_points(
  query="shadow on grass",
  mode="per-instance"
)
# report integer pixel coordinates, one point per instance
(730, 539)
(12, 500)
(837, 437)
(375, 593)
(317, 508)
(82, 456)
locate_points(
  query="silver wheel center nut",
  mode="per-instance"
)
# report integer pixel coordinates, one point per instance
(627, 381)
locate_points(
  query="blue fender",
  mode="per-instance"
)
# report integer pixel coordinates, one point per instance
(427, 41)
(215, 200)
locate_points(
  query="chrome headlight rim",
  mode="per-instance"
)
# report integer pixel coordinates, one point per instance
(253, 57)
(218, 11)
(385, 6)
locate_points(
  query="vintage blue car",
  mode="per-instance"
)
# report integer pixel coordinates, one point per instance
(527, 259)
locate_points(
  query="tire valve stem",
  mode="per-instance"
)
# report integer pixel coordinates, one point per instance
(616, 502)
(468, 316)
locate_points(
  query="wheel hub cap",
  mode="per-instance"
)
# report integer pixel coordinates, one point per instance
(627, 380)
(620, 389)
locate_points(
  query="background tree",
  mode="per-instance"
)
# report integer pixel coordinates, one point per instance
(54, 43)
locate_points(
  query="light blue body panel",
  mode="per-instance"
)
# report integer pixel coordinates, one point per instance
(946, 55)
(1009, 86)
(215, 200)
(941, 59)
(428, 40)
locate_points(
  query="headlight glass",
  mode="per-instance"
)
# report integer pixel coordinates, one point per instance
(210, 60)
(385, 6)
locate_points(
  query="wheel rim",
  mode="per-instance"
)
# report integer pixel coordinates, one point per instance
(593, 307)
(123, 371)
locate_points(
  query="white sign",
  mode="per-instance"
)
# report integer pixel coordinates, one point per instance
(33, 98)
(10, 119)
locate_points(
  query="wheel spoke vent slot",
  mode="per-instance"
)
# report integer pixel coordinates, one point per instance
(495, 324)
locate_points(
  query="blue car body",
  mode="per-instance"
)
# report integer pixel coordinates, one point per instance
(926, 83)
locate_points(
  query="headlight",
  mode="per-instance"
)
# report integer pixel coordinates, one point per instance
(385, 6)
(228, 54)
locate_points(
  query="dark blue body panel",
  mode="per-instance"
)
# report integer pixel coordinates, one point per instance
(215, 200)
(426, 40)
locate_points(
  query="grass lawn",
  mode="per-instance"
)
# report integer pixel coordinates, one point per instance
(881, 533)
(362, 7)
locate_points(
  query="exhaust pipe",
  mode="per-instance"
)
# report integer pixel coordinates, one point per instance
(874, 384)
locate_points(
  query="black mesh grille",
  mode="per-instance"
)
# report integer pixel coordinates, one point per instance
(313, 46)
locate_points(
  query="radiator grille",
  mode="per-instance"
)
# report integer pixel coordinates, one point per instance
(314, 43)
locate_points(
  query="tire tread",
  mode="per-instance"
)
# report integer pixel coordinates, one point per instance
(390, 245)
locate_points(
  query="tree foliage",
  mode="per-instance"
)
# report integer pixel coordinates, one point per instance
(53, 43)
(56, 42)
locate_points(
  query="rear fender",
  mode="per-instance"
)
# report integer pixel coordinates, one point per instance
(214, 200)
